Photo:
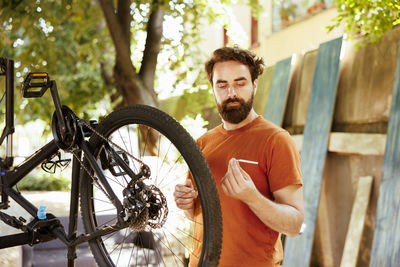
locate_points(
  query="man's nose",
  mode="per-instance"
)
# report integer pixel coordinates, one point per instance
(231, 91)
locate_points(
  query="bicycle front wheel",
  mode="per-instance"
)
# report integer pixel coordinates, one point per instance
(161, 235)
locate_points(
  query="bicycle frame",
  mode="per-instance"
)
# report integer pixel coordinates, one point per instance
(50, 228)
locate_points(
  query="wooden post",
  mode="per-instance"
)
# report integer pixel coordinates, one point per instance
(278, 92)
(386, 243)
(356, 225)
(315, 146)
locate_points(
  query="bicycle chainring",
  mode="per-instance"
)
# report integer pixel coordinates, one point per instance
(66, 140)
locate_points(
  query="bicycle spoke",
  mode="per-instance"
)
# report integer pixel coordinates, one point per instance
(107, 222)
(109, 236)
(158, 153)
(183, 216)
(178, 239)
(145, 141)
(115, 181)
(102, 200)
(189, 235)
(179, 177)
(142, 244)
(169, 246)
(159, 252)
(159, 170)
(166, 175)
(98, 211)
(130, 257)
(122, 244)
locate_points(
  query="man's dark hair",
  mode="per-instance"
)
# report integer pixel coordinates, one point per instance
(246, 57)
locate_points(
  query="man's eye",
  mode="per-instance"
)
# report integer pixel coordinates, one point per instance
(221, 85)
(241, 84)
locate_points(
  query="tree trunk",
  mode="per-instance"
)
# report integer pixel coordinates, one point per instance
(135, 88)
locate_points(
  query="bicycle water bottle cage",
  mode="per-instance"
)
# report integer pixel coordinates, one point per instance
(35, 84)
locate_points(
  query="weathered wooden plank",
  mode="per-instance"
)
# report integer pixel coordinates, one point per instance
(365, 144)
(357, 143)
(356, 225)
(386, 243)
(314, 149)
(279, 91)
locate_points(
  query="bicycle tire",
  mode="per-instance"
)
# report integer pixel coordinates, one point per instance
(166, 128)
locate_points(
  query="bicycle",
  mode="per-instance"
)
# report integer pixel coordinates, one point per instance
(124, 170)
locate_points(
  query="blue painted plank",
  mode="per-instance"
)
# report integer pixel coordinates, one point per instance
(314, 149)
(386, 242)
(278, 92)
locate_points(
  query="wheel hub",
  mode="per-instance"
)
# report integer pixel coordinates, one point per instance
(144, 205)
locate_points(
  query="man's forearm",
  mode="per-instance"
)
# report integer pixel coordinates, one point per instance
(282, 218)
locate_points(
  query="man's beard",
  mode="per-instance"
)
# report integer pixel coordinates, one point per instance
(235, 114)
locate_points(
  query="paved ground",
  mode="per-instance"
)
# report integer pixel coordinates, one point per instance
(56, 203)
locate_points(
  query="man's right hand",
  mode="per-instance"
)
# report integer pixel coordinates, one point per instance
(185, 196)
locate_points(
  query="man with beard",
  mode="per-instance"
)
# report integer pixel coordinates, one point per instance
(258, 201)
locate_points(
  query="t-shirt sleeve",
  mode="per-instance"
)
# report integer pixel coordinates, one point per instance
(283, 162)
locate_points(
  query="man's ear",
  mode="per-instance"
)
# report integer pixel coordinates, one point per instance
(255, 86)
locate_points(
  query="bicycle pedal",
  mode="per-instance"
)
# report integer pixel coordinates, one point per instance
(35, 84)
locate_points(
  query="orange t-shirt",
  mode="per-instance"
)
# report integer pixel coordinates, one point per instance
(247, 241)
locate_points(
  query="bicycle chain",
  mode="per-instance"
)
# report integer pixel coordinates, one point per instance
(91, 175)
(111, 142)
(114, 144)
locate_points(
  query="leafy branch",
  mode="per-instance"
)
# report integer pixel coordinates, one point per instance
(367, 19)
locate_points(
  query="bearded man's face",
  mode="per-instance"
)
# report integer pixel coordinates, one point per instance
(235, 113)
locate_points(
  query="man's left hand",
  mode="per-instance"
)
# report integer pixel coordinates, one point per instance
(237, 183)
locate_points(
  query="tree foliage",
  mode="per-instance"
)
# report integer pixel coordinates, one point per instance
(67, 41)
(366, 18)
(96, 50)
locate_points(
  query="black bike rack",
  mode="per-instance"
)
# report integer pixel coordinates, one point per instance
(7, 70)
